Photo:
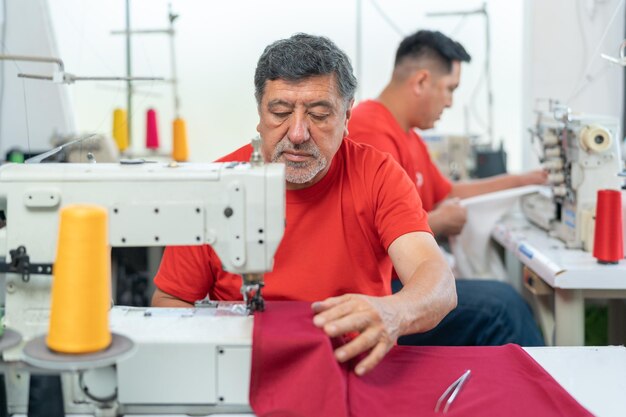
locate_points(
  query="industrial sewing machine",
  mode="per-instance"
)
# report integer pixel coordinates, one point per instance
(582, 155)
(452, 154)
(187, 360)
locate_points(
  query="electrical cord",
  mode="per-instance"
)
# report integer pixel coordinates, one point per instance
(387, 19)
(587, 78)
(85, 390)
(458, 27)
(583, 36)
(472, 101)
(26, 115)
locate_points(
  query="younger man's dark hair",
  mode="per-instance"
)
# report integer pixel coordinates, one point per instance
(431, 45)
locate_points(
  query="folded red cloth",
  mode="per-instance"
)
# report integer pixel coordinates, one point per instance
(505, 381)
(295, 374)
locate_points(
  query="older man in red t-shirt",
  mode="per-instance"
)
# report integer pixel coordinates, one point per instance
(352, 214)
(427, 71)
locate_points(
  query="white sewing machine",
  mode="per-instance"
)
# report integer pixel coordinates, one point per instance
(582, 155)
(187, 360)
(452, 154)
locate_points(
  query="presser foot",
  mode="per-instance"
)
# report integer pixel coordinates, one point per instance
(252, 296)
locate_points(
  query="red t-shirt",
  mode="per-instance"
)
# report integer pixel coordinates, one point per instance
(336, 235)
(373, 124)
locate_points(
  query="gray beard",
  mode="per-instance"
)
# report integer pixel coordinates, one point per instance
(300, 172)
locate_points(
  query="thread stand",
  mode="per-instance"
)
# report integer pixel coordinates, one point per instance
(37, 353)
(9, 339)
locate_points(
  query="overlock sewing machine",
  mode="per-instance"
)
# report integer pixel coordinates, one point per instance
(190, 360)
(582, 156)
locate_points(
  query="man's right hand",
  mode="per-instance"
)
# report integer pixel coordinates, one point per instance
(448, 218)
(377, 320)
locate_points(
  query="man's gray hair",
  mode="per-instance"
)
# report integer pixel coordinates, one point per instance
(302, 56)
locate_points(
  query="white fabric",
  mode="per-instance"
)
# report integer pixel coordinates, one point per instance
(474, 255)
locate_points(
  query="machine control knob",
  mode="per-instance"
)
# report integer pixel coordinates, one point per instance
(552, 152)
(595, 138)
(550, 138)
(553, 164)
(556, 178)
(559, 191)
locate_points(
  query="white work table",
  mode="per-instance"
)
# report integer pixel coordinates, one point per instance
(594, 376)
(567, 276)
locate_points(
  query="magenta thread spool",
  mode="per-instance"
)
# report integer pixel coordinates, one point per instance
(152, 133)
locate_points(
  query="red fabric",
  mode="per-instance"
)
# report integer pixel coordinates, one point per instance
(505, 381)
(373, 124)
(300, 378)
(336, 236)
(294, 373)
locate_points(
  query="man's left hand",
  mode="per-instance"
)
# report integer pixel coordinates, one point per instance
(376, 319)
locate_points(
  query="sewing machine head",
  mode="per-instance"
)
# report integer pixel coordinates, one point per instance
(582, 155)
(237, 208)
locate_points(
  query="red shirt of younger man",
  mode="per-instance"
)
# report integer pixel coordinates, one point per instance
(336, 235)
(373, 124)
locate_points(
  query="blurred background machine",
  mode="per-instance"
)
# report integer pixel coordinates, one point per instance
(466, 156)
(460, 157)
(582, 154)
(451, 154)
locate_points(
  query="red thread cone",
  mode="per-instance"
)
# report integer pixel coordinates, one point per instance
(608, 242)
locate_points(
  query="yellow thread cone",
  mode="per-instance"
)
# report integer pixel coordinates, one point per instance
(180, 152)
(81, 286)
(120, 129)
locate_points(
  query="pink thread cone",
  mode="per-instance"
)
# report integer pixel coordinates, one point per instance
(152, 132)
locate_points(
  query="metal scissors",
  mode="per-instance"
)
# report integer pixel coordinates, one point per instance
(453, 390)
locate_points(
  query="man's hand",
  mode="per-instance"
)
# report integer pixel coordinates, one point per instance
(538, 176)
(377, 320)
(448, 218)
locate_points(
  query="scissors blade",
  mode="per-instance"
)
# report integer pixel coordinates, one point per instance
(456, 391)
(454, 388)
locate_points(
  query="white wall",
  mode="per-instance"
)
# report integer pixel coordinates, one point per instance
(506, 61)
(563, 60)
(218, 44)
(31, 111)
